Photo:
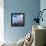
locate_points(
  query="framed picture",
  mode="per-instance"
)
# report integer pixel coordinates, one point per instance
(17, 19)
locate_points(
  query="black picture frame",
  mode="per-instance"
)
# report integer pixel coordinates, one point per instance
(17, 19)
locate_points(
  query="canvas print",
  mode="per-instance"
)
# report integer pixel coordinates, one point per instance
(17, 19)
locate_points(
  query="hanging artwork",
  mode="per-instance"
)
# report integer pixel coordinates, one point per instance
(17, 19)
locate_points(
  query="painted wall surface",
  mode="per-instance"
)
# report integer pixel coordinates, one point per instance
(43, 6)
(1, 21)
(29, 7)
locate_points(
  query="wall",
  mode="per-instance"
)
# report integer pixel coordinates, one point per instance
(1, 21)
(43, 6)
(29, 7)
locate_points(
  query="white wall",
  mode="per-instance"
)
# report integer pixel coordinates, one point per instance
(1, 21)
